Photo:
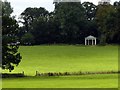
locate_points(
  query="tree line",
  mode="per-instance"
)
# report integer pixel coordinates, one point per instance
(70, 23)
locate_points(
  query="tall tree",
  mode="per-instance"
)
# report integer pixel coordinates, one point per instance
(31, 14)
(10, 55)
(90, 12)
(116, 16)
(34, 20)
(102, 15)
(70, 16)
(6, 8)
(0, 33)
(40, 31)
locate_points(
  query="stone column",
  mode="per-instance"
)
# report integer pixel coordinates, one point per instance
(92, 41)
(88, 41)
(95, 41)
(85, 42)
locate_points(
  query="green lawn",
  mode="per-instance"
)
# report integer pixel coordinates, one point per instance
(66, 58)
(85, 81)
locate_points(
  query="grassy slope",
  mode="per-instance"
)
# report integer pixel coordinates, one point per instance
(66, 58)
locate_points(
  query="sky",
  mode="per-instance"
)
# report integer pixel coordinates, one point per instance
(20, 5)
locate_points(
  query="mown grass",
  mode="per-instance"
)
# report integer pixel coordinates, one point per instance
(67, 58)
(83, 81)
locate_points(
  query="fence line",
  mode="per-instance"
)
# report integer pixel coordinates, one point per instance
(37, 73)
(74, 73)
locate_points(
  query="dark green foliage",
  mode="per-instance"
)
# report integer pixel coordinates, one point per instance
(10, 55)
(71, 22)
(106, 21)
(117, 18)
(91, 25)
(31, 14)
(27, 39)
(35, 23)
(90, 10)
(6, 8)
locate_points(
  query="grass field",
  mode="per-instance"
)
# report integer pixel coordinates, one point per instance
(87, 81)
(66, 58)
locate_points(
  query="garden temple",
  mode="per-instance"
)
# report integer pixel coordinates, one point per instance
(90, 40)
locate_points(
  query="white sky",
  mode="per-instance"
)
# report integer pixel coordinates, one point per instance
(20, 5)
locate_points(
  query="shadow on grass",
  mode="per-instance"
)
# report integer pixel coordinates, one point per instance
(12, 75)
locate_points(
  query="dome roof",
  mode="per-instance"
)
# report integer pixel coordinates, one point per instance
(90, 37)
